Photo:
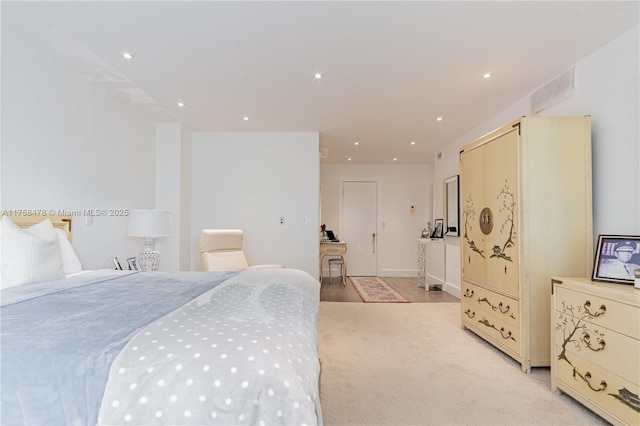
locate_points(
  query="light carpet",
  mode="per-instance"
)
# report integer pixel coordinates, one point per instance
(413, 364)
(374, 290)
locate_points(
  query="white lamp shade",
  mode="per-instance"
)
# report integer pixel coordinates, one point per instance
(149, 223)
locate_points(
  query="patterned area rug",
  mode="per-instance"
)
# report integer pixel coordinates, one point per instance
(374, 290)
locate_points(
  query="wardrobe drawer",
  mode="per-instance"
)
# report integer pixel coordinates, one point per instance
(501, 332)
(600, 311)
(502, 307)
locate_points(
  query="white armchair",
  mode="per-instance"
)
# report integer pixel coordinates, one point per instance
(221, 250)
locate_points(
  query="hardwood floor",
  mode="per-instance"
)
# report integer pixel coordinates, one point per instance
(334, 291)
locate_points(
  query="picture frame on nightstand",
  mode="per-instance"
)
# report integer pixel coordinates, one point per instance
(133, 263)
(116, 263)
(617, 258)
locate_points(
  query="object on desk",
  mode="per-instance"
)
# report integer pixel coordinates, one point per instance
(116, 263)
(332, 237)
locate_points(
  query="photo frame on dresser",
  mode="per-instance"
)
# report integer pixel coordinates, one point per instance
(437, 229)
(617, 257)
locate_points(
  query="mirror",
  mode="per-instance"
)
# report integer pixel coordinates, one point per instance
(451, 206)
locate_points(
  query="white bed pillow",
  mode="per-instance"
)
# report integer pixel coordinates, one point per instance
(70, 261)
(29, 255)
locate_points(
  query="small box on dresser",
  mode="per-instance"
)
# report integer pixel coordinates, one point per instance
(595, 330)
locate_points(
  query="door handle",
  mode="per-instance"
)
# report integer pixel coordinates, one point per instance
(373, 241)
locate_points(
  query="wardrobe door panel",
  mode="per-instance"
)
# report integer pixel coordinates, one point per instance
(503, 200)
(473, 200)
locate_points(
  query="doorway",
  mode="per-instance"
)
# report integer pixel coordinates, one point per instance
(359, 215)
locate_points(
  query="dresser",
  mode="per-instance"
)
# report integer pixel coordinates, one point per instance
(526, 215)
(431, 262)
(596, 346)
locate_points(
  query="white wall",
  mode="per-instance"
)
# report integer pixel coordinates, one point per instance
(249, 181)
(168, 191)
(68, 146)
(607, 88)
(185, 200)
(400, 187)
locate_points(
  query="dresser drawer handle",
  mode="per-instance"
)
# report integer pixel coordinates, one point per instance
(486, 322)
(496, 308)
(469, 313)
(586, 337)
(502, 332)
(587, 378)
(596, 314)
(468, 293)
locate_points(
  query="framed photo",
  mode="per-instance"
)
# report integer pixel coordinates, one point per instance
(133, 263)
(437, 229)
(617, 257)
(116, 263)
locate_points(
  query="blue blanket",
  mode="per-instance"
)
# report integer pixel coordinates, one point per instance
(59, 339)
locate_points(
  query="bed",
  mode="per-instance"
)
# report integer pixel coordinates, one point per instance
(126, 347)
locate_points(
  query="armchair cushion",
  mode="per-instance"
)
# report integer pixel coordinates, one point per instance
(221, 250)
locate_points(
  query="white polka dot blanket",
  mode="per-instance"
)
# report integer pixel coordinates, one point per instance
(182, 348)
(243, 354)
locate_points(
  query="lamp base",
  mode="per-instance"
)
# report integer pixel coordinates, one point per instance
(149, 260)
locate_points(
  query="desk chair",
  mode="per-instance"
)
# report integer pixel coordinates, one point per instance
(340, 263)
(221, 250)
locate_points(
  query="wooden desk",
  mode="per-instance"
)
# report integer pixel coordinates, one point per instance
(334, 249)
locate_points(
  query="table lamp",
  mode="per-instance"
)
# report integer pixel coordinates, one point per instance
(149, 224)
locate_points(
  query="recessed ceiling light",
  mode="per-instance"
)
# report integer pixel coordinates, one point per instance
(486, 75)
(439, 118)
(356, 143)
(317, 76)
(127, 55)
(413, 142)
(245, 118)
(180, 104)
(349, 159)
(395, 159)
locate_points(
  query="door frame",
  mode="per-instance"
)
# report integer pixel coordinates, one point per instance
(341, 213)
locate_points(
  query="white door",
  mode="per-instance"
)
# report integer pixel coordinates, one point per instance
(359, 231)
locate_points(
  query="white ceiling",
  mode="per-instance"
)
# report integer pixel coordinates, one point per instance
(390, 68)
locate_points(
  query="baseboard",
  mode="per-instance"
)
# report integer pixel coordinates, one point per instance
(401, 273)
(451, 289)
